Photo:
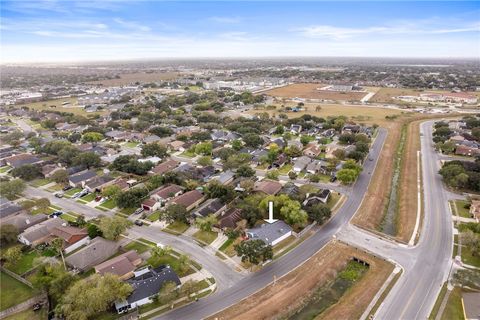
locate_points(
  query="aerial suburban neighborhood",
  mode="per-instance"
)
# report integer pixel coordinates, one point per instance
(179, 186)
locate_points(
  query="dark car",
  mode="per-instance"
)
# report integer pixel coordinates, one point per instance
(55, 214)
(333, 179)
(66, 188)
(139, 223)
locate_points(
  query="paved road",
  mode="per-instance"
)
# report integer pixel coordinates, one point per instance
(415, 294)
(224, 274)
(66, 204)
(253, 282)
(26, 128)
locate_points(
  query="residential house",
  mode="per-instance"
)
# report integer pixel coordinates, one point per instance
(211, 206)
(281, 160)
(98, 183)
(457, 139)
(49, 169)
(21, 160)
(228, 219)
(290, 189)
(466, 151)
(279, 142)
(160, 196)
(117, 135)
(295, 129)
(258, 155)
(151, 139)
(301, 163)
(122, 266)
(351, 128)
(177, 145)
(39, 233)
(317, 166)
(270, 233)
(24, 220)
(9, 209)
(146, 284)
(73, 237)
(266, 186)
(320, 197)
(189, 200)
(312, 150)
(94, 253)
(226, 177)
(165, 167)
(78, 180)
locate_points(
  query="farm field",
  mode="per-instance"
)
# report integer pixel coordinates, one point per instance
(309, 91)
(56, 105)
(290, 291)
(128, 78)
(387, 94)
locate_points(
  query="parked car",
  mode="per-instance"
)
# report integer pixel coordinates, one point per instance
(139, 223)
(55, 214)
(68, 187)
(98, 198)
(138, 211)
(59, 194)
(333, 179)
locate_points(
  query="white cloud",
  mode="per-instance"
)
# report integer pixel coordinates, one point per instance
(226, 20)
(132, 25)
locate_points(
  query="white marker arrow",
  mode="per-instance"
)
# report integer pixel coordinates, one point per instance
(270, 213)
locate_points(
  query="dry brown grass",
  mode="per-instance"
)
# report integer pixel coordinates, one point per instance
(309, 91)
(387, 94)
(128, 78)
(56, 105)
(275, 301)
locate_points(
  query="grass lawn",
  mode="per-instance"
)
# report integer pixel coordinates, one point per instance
(172, 262)
(131, 144)
(5, 169)
(101, 208)
(68, 217)
(137, 246)
(25, 263)
(71, 192)
(285, 169)
(187, 154)
(39, 182)
(89, 197)
(55, 188)
(178, 226)
(12, 292)
(461, 210)
(468, 258)
(205, 236)
(283, 244)
(46, 211)
(332, 201)
(154, 216)
(110, 204)
(29, 314)
(454, 308)
(128, 211)
(228, 247)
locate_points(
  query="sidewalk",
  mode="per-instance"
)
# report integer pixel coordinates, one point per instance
(217, 243)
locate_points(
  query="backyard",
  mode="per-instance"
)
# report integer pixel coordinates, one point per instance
(12, 291)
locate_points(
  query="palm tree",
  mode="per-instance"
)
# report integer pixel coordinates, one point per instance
(57, 243)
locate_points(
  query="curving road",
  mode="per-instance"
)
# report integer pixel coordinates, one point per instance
(254, 282)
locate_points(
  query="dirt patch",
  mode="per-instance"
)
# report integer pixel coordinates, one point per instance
(388, 94)
(311, 91)
(143, 77)
(275, 301)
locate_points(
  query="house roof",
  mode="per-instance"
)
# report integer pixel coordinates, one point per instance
(188, 198)
(41, 230)
(149, 284)
(269, 232)
(67, 233)
(22, 159)
(267, 186)
(99, 181)
(24, 220)
(226, 176)
(167, 191)
(209, 207)
(8, 208)
(165, 166)
(82, 176)
(119, 265)
(230, 218)
(94, 253)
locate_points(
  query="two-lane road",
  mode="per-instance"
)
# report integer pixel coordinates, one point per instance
(253, 282)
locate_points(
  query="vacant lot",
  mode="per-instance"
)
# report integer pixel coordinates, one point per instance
(143, 77)
(310, 91)
(275, 301)
(388, 94)
(56, 105)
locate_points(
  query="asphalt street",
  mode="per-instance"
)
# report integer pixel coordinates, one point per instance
(256, 281)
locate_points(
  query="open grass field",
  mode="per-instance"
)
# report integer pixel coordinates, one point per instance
(56, 105)
(129, 78)
(12, 291)
(458, 206)
(310, 91)
(276, 301)
(454, 308)
(29, 315)
(137, 246)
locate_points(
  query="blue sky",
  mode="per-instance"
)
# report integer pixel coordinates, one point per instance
(64, 31)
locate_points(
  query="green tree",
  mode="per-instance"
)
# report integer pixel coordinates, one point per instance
(205, 161)
(175, 212)
(306, 139)
(92, 137)
(91, 296)
(58, 244)
(204, 148)
(236, 145)
(292, 213)
(27, 172)
(189, 287)
(53, 279)
(11, 189)
(12, 255)
(42, 204)
(154, 150)
(168, 293)
(293, 151)
(60, 176)
(161, 251)
(216, 190)
(8, 234)
(87, 159)
(272, 174)
(111, 192)
(113, 227)
(319, 212)
(131, 198)
(252, 140)
(206, 223)
(254, 251)
(347, 176)
(245, 171)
